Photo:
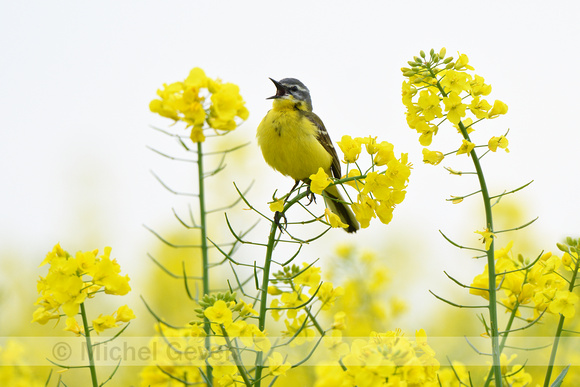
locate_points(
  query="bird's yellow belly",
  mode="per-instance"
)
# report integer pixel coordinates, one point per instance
(289, 144)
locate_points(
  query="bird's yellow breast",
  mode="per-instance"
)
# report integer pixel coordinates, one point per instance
(289, 144)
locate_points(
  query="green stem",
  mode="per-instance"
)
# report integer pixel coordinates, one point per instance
(559, 329)
(89, 346)
(504, 338)
(311, 316)
(496, 351)
(264, 298)
(237, 359)
(492, 306)
(554, 350)
(204, 248)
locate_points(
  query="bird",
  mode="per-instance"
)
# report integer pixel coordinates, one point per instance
(295, 143)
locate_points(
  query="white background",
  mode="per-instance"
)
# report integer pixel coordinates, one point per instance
(76, 79)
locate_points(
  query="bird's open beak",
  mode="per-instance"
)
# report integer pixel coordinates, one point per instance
(280, 90)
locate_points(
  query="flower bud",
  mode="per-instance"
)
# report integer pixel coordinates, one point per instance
(454, 172)
(422, 53)
(274, 290)
(442, 52)
(412, 64)
(409, 73)
(417, 59)
(450, 65)
(432, 52)
(456, 199)
(447, 60)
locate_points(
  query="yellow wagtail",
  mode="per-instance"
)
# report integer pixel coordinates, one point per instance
(295, 142)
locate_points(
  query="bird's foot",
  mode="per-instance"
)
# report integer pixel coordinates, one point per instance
(311, 197)
(279, 216)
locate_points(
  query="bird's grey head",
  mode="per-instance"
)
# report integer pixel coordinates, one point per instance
(292, 87)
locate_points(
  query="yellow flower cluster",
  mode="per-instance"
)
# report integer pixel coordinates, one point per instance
(15, 370)
(440, 89)
(224, 325)
(179, 354)
(199, 99)
(71, 280)
(515, 375)
(539, 286)
(231, 332)
(365, 279)
(378, 191)
(384, 359)
(299, 290)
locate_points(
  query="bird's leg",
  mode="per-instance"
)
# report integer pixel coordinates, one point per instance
(280, 215)
(311, 197)
(294, 186)
(277, 217)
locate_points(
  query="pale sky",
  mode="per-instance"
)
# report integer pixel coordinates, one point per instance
(77, 77)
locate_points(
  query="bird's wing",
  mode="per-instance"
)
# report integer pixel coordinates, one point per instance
(324, 140)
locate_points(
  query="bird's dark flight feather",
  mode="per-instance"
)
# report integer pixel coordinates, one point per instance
(324, 140)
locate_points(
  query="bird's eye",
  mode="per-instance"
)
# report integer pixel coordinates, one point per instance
(294, 88)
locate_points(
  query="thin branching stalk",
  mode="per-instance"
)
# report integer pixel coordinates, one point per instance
(496, 351)
(264, 297)
(505, 337)
(204, 246)
(92, 367)
(492, 306)
(560, 328)
(237, 360)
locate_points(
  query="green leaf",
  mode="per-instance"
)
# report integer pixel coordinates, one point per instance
(560, 378)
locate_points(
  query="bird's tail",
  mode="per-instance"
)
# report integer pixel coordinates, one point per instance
(334, 202)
